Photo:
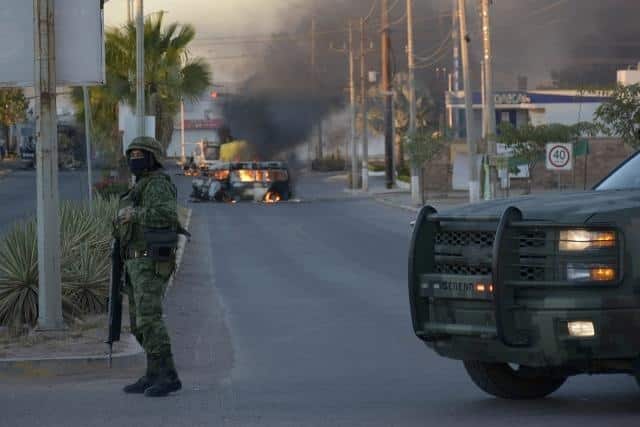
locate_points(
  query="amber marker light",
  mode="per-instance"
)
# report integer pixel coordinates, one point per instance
(603, 274)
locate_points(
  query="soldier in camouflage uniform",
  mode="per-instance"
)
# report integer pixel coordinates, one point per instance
(147, 227)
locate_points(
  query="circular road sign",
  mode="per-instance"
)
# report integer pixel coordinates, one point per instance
(559, 156)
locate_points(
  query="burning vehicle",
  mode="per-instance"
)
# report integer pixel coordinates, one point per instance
(532, 290)
(268, 182)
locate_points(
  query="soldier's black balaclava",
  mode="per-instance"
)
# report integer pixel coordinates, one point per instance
(141, 164)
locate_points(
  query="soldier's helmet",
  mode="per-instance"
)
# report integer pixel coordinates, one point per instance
(149, 144)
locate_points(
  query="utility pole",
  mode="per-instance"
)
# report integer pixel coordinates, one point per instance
(455, 36)
(49, 280)
(388, 95)
(352, 142)
(474, 181)
(354, 113)
(416, 170)
(183, 157)
(483, 99)
(319, 151)
(140, 92)
(87, 131)
(490, 108)
(364, 105)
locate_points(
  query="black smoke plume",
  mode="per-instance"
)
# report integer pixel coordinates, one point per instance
(565, 44)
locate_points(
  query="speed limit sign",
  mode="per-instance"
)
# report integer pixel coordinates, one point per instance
(559, 157)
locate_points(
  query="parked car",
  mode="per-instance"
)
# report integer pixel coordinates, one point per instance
(532, 290)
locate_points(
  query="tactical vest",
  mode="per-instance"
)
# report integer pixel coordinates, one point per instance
(161, 243)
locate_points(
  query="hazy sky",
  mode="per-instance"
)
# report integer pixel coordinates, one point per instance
(213, 17)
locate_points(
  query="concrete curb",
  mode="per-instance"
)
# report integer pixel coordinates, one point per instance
(132, 358)
(398, 206)
(403, 185)
(31, 368)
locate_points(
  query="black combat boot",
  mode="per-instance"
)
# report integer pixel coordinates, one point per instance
(153, 371)
(167, 382)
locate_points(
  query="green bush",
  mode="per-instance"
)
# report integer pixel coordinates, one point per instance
(328, 165)
(377, 167)
(404, 171)
(85, 235)
(19, 276)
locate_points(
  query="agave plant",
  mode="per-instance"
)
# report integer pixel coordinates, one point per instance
(84, 281)
(19, 276)
(85, 235)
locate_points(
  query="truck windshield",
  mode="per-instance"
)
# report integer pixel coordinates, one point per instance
(625, 178)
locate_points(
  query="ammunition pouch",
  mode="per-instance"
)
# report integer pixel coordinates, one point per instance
(161, 244)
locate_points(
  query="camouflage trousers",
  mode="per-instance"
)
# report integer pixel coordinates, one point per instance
(145, 289)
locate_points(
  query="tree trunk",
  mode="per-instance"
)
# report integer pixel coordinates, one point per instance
(7, 139)
(399, 152)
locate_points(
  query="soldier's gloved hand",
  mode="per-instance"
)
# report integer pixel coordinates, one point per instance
(125, 215)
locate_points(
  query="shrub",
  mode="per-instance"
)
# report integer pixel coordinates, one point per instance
(328, 165)
(85, 280)
(19, 276)
(376, 167)
(85, 236)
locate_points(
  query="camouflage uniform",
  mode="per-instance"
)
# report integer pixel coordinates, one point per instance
(153, 205)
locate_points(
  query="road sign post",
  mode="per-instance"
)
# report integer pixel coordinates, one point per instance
(50, 288)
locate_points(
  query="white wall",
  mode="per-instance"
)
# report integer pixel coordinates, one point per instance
(566, 114)
(191, 137)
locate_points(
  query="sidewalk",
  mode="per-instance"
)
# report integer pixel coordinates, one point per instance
(401, 197)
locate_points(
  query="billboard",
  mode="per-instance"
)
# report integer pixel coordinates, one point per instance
(79, 35)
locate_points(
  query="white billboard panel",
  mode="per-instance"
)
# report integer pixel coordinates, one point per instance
(79, 43)
(16, 43)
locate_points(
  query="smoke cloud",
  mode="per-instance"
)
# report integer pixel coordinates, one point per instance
(260, 51)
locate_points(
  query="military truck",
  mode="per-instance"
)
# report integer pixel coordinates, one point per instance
(532, 290)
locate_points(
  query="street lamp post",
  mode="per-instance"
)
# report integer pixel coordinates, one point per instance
(140, 95)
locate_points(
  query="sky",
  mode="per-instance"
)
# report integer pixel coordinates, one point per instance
(219, 17)
(531, 37)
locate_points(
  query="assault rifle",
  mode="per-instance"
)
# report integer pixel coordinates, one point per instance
(115, 298)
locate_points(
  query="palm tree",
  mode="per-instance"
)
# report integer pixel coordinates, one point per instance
(171, 74)
(427, 117)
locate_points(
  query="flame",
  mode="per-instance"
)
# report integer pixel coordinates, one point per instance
(272, 197)
(219, 175)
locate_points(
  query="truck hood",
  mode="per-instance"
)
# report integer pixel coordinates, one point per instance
(556, 207)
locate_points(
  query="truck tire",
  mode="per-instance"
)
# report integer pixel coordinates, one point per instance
(501, 380)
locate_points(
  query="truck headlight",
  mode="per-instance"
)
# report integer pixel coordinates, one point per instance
(591, 273)
(582, 240)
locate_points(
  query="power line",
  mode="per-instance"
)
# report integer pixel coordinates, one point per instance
(371, 11)
(442, 46)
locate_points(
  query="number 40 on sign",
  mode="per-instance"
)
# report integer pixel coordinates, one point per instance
(559, 157)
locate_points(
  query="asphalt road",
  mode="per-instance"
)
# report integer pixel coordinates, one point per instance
(297, 315)
(18, 193)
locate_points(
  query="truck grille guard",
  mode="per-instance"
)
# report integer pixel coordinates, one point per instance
(511, 227)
